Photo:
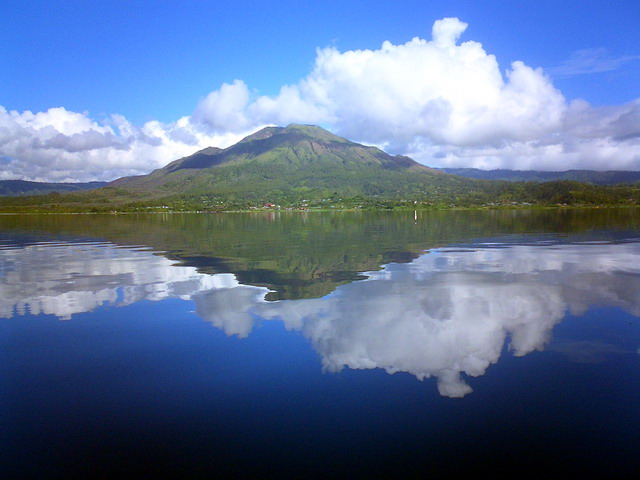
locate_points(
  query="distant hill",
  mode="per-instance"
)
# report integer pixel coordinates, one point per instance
(23, 187)
(610, 177)
(294, 163)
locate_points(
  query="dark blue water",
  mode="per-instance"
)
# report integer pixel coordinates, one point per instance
(115, 361)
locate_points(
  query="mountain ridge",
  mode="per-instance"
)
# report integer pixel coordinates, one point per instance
(268, 139)
(13, 188)
(275, 160)
(595, 177)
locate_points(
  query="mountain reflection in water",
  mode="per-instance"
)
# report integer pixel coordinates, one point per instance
(449, 313)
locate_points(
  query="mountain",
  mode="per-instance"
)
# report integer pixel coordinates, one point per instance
(610, 177)
(294, 163)
(304, 166)
(23, 187)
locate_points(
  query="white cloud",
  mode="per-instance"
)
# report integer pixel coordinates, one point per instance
(223, 110)
(435, 90)
(59, 145)
(441, 101)
(449, 104)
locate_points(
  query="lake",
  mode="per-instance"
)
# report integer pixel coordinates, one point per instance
(301, 344)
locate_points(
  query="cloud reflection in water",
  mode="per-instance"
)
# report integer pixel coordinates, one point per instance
(450, 312)
(447, 314)
(68, 278)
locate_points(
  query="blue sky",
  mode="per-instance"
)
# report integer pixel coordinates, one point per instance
(101, 89)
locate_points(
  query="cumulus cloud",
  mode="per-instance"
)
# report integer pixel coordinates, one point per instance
(437, 91)
(443, 101)
(224, 109)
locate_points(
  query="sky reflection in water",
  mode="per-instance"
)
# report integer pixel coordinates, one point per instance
(447, 314)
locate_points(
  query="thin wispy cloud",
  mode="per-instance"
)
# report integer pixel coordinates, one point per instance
(589, 61)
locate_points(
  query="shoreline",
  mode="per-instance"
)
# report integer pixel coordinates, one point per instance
(327, 210)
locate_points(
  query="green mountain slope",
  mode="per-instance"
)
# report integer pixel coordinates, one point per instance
(295, 163)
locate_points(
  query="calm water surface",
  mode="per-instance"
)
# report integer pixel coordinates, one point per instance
(320, 345)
